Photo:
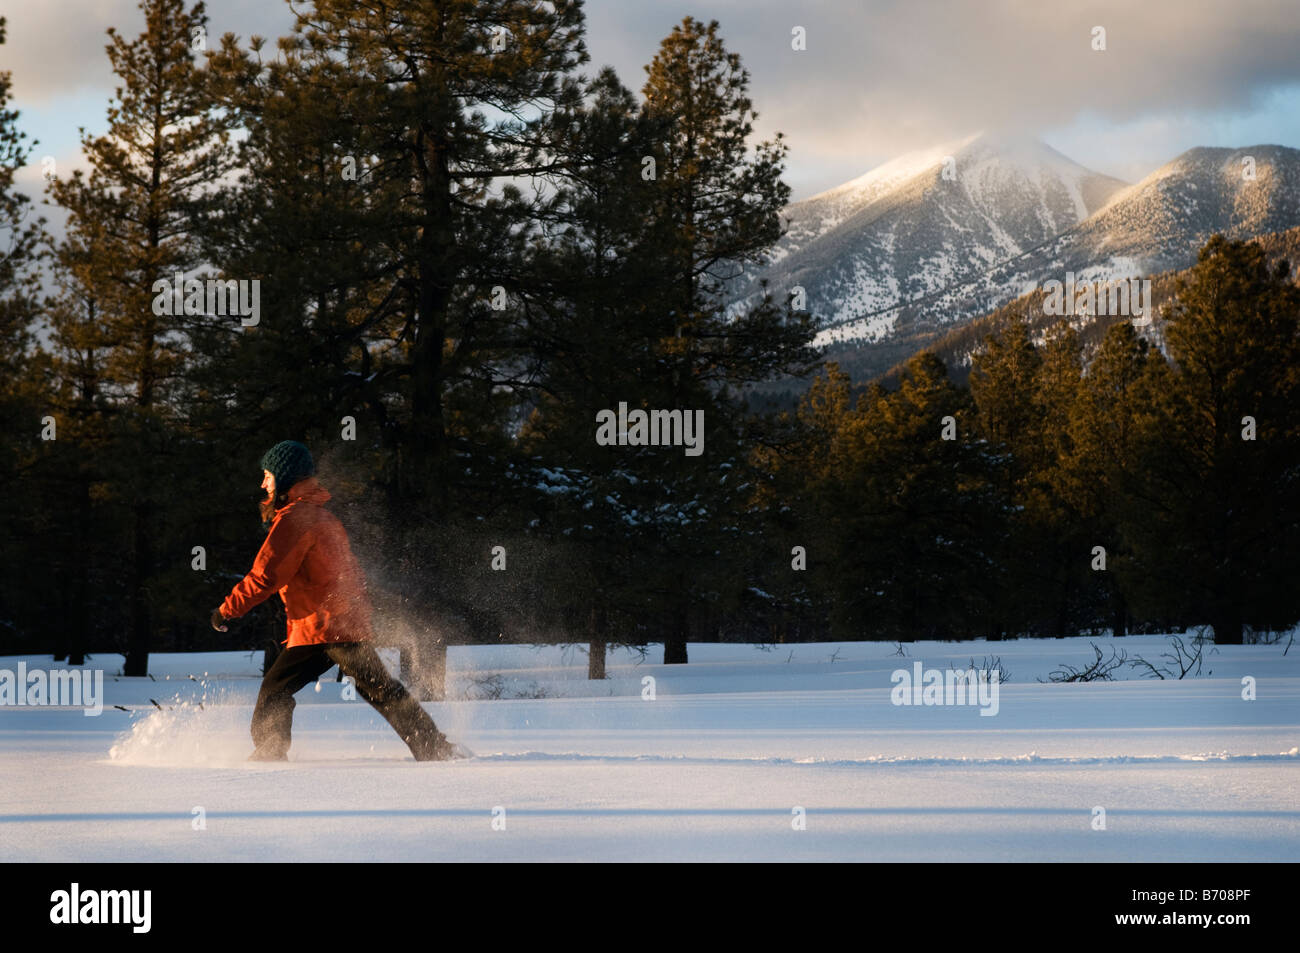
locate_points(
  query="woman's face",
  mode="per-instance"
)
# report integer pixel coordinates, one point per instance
(268, 484)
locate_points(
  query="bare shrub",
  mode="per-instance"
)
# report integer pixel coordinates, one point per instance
(1101, 669)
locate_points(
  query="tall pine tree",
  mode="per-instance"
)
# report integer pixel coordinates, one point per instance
(1227, 479)
(135, 216)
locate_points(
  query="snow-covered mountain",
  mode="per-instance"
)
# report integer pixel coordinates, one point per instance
(935, 238)
(1162, 221)
(925, 222)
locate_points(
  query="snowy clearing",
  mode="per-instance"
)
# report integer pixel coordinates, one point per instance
(713, 768)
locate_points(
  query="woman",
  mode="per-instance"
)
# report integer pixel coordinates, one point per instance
(307, 559)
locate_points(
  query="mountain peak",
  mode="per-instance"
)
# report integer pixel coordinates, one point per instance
(1017, 150)
(939, 235)
(910, 227)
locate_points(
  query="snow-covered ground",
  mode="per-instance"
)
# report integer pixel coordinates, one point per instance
(733, 754)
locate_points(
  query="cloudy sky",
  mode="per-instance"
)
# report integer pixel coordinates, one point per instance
(878, 77)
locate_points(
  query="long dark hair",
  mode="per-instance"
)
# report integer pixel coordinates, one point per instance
(268, 506)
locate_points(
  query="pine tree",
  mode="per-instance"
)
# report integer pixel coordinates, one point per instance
(135, 215)
(898, 505)
(797, 501)
(593, 297)
(715, 206)
(444, 105)
(658, 537)
(296, 221)
(1004, 383)
(930, 481)
(79, 466)
(24, 391)
(1058, 525)
(1228, 485)
(1103, 478)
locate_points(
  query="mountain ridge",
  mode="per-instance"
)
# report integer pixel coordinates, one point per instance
(916, 252)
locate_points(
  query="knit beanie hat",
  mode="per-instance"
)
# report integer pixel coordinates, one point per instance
(288, 461)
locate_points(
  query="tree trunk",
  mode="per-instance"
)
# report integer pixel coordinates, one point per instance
(1119, 618)
(596, 660)
(427, 454)
(596, 650)
(79, 632)
(137, 653)
(675, 645)
(67, 608)
(1228, 631)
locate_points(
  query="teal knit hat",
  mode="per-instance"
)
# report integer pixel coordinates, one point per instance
(288, 461)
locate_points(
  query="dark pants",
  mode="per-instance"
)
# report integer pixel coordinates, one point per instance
(299, 666)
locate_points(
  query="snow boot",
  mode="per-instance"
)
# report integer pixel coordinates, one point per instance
(260, 755)
(442, 749)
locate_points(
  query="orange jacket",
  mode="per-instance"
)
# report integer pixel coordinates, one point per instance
(307, 559)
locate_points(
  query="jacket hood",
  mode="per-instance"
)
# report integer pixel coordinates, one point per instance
(308, 491)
